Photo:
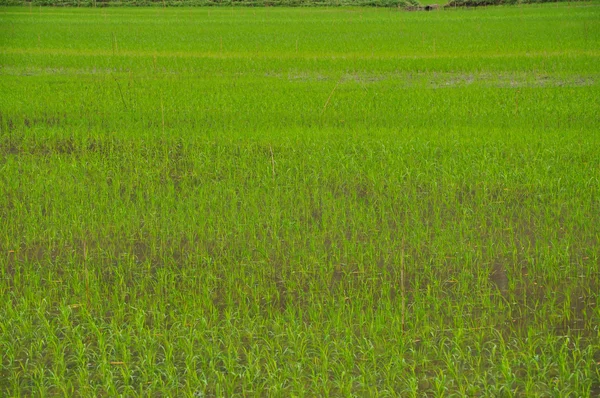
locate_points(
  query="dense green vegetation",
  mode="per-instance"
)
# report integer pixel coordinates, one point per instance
(289, 202)
(483, 3)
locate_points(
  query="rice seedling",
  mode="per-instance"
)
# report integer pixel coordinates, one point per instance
(319, 202)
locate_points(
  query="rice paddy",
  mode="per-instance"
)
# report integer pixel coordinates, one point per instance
(300, 202)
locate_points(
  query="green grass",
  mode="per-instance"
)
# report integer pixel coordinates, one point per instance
(300, 202)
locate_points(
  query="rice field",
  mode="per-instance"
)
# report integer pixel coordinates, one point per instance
(300, 202)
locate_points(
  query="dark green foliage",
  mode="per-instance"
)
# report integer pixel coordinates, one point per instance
(481, 3)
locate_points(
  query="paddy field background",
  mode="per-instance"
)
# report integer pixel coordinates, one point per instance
(300, 202)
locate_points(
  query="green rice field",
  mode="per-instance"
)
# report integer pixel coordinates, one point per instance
(288, 202)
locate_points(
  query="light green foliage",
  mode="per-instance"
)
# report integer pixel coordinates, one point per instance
(291, 202)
